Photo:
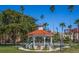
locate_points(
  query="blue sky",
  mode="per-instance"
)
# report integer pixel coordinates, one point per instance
(61, 14)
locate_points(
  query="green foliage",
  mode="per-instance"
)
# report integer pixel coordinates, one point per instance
(42, 16)
(13, 24)
(62, 24)
(67, 39)
(56, 37)
(9, 49)
(52, 8)
(77, 22)
(71, 8)
(45, 25)
(22, 8)
(70, 26)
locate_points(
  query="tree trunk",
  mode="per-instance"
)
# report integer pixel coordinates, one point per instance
(62, 40)
(70, 41)
(78, 33)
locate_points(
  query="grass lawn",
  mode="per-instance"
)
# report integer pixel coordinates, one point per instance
(13, 49)
(73, 49)
(9, 49)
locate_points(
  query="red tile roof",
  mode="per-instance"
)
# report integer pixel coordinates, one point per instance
(40, 33)
(75, 30)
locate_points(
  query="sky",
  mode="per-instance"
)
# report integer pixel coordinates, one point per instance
(61, 14)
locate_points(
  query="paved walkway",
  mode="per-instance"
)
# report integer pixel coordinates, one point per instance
(56, 49)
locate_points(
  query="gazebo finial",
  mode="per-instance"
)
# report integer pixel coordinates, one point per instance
(41, 27)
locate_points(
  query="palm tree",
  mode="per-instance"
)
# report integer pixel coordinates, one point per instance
(69, 28)
(52, 9)
(70, 8)
(45, 25)
(22, 9)
(62, 25)
(42, 16)
(22, 12)
(77, 22)
(12, 26)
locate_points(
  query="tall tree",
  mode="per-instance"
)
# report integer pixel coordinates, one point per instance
(22, 12)
(42, 16)
(52, 9)
(69, 29)
(62, 25)
(22, 9)
(70, 8)
(70, 26)
(11, 25)
(77, 22)
(45, 25)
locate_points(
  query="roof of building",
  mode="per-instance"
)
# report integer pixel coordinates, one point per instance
(76, 30)
(40, 33)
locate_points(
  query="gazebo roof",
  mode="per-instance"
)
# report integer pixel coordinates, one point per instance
(40, 33)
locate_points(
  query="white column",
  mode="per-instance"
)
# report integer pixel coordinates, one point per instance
(34, 42)
(77, 36)
(28, 41)
(44, 41)
(51, 41)
(50, 47)
(72, 36)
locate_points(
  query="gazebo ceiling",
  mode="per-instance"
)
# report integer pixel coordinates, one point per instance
(40, 33)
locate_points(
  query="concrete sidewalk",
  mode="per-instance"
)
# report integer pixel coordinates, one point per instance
(50, 50)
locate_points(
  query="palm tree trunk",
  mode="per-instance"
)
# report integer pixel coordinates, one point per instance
(78, 33)
(62, 40)
(70, 38)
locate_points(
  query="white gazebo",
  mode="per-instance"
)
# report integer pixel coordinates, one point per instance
(40, 32)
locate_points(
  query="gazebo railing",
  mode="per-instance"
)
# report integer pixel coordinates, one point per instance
(42, 44)
(30, 45)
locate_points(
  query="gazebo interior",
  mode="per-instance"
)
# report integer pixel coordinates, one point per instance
(40, 39)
